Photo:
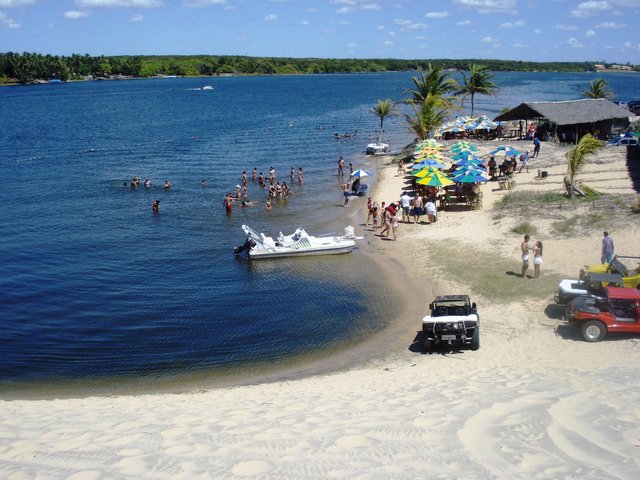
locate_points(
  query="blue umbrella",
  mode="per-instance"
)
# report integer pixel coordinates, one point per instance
(360, 174)
(472, 160)
(506, 150)
(428, 162)
(470, 177)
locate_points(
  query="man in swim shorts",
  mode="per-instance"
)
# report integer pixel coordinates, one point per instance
(524, 247)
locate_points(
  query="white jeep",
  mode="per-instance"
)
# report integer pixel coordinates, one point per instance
(453, 321)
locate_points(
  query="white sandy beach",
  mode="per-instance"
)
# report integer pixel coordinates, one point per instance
(534, 402)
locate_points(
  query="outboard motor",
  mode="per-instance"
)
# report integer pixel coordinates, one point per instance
(349, 232)
(246, 246)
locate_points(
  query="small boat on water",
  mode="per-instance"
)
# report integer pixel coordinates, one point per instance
(258, 245)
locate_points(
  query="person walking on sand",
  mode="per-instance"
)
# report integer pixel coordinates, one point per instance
(394, 224)
(418, 204)
(524, 248)
(537, 259)
(386, 221)
(405, 203)
(536, 147)
(607, 248)
(524, 161)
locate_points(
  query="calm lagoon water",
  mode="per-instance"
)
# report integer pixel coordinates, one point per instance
(95, 290)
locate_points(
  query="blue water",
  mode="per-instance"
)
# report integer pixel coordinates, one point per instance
(95, 288)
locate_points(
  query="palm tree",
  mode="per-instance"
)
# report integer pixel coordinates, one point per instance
(383, 109)
(598, 88)
(428, 115)
(477, 81)
(577, 155)
(434, 83)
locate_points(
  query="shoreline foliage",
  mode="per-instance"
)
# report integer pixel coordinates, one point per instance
(29, 67)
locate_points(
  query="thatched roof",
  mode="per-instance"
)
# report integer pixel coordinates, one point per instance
(570, 112)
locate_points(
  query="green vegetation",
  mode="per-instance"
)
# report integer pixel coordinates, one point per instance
(525, 228)
(587, 145)
(477, 81)
(431, 100)
(383, 109)
(598, 88)
(27, 67)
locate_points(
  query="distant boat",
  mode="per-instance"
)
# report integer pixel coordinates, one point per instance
(206, 87)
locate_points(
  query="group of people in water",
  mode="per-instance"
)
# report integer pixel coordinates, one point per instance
(135, 183)
(269, 182)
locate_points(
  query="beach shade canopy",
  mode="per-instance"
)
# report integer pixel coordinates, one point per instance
(471, 176)
(470, 162)
(465, 156)
(424, 171)
(463, 147)
(428, 162)
(360, 173)
(436, 179)
(506, 151)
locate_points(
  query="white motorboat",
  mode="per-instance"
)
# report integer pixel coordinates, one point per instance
(377, 148)
(258, 245)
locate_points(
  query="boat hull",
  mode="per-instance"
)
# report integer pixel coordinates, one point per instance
(301, 253)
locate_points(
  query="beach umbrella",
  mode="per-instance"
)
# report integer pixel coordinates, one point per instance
(428, 162)
(463, 147)
(424, 171)
(436, 179)
(465, 156)
(475, 163)
(360, 173)
(471, 177)
(506, 151)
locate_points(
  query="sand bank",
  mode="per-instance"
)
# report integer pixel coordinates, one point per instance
(533, 402)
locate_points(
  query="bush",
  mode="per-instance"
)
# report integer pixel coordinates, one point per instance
(525, 228)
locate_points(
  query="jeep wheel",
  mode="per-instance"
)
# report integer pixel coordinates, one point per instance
(593, 331)
(475, 339)
(428, 346)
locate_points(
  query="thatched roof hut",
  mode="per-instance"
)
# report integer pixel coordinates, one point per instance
(569, 120)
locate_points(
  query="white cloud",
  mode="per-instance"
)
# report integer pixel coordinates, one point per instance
(494, 42)
(590, 33)
(371, 6)
(15, 3)
(136, 18)
(305, 23)
(416, 26)
(573, 42)
(399, 21)
(352, 45)
(488, 6)
(436, 14)
(380, 27)
(565, 27)
(537, 31)
(519, 23)
(392, 34)
(206, 3)
(118, 3)
(388, 42)
(271, 17)
(464, 23)
(75, 15)
(9, 22)
(521, 45)
(588, 9)
(611, 25)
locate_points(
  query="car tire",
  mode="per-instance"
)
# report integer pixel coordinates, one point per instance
(428, 346)
(475, 339)
(593, 331)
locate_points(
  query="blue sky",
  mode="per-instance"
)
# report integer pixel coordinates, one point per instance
(539, 30)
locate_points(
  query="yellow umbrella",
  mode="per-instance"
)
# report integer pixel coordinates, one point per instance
(436, 179)
(425, 171)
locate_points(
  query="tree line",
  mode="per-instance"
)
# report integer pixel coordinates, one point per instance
(29, 67)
